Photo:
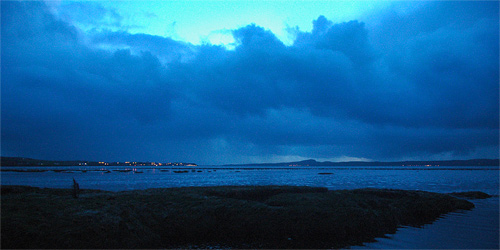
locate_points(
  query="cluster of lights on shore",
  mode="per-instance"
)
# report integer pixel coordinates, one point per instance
(128, 163)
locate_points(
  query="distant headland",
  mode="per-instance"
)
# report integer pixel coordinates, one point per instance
(311, 162)
(20, 161)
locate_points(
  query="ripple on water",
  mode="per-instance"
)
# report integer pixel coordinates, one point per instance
(475, 229)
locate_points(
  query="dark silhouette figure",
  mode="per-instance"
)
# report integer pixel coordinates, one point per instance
(76, 189)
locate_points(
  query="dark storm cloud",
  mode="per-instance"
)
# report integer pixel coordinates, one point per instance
(344, 89)
(165, 48)
(351, 39)
(432, 81)
(59, 95)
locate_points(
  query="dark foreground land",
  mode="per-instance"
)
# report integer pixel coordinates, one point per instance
(221, 217)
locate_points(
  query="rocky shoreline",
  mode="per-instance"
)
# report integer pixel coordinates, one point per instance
(224, 217)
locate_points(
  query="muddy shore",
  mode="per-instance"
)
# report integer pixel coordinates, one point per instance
(220, 217)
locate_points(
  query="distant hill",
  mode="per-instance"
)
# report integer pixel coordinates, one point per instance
(311, 162)
(26, 162)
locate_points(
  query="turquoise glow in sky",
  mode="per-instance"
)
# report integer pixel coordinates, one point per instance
(329, 80)
(199, 22)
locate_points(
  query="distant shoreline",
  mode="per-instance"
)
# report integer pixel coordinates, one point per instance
(450, 163)
(28, 162)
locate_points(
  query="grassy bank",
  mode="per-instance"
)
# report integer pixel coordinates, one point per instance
(236, 217)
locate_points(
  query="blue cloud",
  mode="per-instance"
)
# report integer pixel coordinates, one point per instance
(400, 89)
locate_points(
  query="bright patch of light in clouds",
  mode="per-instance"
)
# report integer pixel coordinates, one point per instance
(197, 22)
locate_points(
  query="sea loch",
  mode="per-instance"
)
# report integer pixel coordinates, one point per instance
(471, 229)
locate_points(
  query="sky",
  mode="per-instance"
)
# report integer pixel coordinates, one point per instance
(217, 82)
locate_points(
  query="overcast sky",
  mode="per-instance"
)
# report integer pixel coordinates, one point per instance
(217, 82)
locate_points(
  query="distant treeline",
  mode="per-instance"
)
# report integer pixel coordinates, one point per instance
(473, 162)
(20, 161)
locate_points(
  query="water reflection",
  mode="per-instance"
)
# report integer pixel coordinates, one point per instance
(475, 229)
(441, 180)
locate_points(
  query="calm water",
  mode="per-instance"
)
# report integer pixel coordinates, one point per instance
(476, 229)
